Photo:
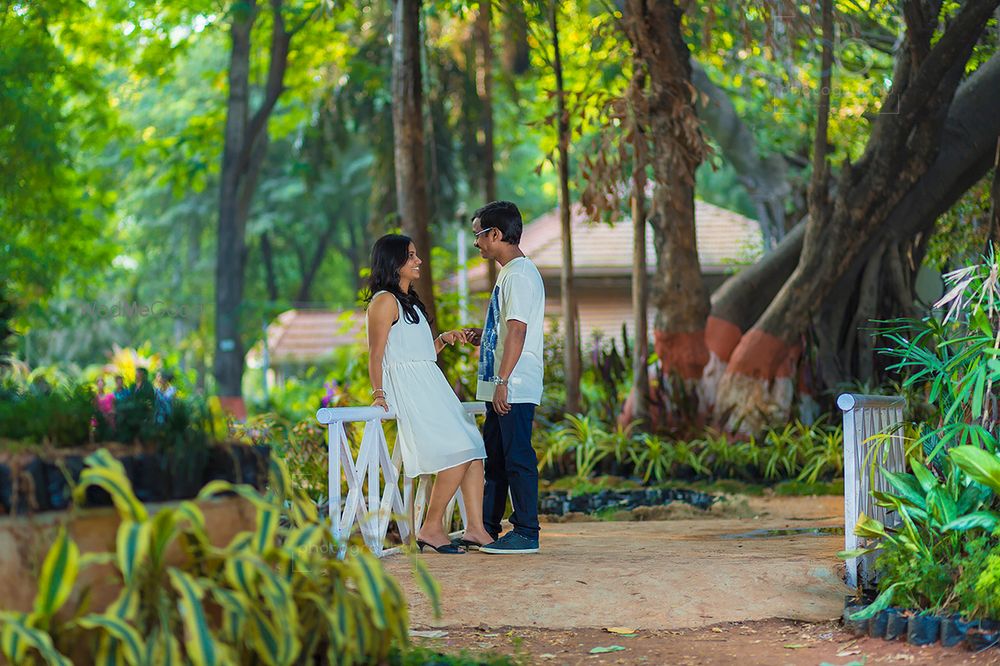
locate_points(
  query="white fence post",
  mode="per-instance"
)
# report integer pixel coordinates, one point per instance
(865, 455)
(374, 463)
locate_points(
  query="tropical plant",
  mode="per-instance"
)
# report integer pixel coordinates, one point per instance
(276, 595)
(606, 378)
(784, 451)
(6, 332)
(305, 450)
(618, 444)
(725, 458)
(584, 446)
(655, 458)
(690, 458)
(58, 416)
(940, 554)
(956, 358)
(979, 578)
(921, 557)
(551, 446)
(824, 456)
(586, 440)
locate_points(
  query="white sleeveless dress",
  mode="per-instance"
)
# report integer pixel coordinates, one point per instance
(434, 432)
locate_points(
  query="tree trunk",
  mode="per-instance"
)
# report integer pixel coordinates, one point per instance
(640, 349)
(516, 52)
(484, 88)
(312, 268)
(901, 149)
(994, 236)
(571, 350)
(818, 188)
(270, 277)
(408, 129)
(737, 304)
(356, 249)
(244, 148)
(232, 230)
(654, 29)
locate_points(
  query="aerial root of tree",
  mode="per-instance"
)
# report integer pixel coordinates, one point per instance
(759, 384)
(721, 338)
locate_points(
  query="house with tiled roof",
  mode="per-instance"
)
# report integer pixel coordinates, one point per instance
(602, 262)
(301, 337)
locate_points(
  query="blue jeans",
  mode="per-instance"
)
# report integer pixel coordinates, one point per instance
(510, 464)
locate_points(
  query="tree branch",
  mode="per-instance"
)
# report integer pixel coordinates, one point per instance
(920, 28)
(309, 276)
(765, 178)
(954, 46)
(967, 144)
(280, 40)
(818, 187)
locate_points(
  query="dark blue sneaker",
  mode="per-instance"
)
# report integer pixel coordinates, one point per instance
(511, 543)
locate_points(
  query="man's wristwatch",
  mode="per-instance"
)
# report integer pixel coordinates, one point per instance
(499, 381)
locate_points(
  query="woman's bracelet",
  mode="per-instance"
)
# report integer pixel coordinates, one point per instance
(380, 391)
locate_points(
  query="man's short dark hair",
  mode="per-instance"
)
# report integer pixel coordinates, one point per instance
(502, 215)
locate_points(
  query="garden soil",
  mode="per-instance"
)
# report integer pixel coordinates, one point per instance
(771, 642)
(752, 580)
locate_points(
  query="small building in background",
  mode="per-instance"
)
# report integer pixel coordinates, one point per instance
(602, 263)
(301, 338)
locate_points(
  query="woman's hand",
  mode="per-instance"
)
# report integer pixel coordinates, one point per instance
(380, 402)
(451, 337)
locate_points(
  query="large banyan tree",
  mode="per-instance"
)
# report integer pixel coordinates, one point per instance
(799, 317)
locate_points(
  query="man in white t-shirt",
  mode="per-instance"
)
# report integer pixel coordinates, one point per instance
(509, 378)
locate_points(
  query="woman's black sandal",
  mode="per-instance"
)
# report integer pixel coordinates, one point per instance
(467, 544)
(446, 549)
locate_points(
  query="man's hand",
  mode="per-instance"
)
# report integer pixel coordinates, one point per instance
(474, 335)
(500, 404)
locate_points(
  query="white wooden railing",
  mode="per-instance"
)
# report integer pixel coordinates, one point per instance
(377, 493)
(873, 440)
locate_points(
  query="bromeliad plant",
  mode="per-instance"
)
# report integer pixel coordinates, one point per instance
(278, 595)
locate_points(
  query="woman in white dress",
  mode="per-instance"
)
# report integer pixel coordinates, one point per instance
(435, 433)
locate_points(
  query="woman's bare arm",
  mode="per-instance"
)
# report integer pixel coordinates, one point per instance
(382, 312)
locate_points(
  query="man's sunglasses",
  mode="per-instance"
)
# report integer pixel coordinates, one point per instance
(479, 233)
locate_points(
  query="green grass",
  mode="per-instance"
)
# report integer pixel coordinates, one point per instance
(417, 656)
(788, 488)
(717, 486)
(576, 486)
(801, 488)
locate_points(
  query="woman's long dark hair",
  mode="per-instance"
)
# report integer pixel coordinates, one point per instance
(389, 254)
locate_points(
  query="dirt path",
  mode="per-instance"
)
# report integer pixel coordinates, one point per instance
(755, 581)
(657, 575)
(772, 642)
